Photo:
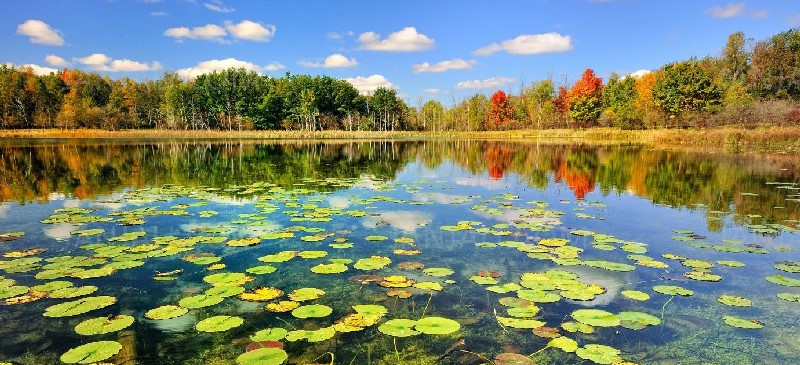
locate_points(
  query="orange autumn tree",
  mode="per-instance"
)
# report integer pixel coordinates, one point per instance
(500, 114)
(562, 103)
(585, 99)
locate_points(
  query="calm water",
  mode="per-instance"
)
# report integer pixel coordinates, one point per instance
(629, 218)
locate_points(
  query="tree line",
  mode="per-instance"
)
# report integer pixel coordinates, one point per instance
(749, 83)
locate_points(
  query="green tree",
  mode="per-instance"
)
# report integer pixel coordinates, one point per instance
(619, 99)
(685, 87)
(775, 67)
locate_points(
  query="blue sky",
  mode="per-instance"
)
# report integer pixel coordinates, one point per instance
(432, 49)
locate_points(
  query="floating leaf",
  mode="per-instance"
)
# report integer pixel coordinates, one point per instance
(165, 312)
(282, 306)
(702, 276)
(577, 327)
(376, 238)
(200, 301)
(101, 325)
(72, 292)
(227, 279)
(672, 290)
(329, 269)
(79, 306)
(789, 297)
(224, 291)
(312, 311)
(635, 295)
(520, 323)
(599, 354)
(438, 271)
(269, 334)
(399, 327)
(741, 322)
(263, 356)
(734, 301)
(13, 291)
(262, 294)
(637, 320)
(261, 270)
(306, 294)
(783, 280)
(372, 263)
(596, 317)
(91, 352)
(564, 344)
(437, 326)
(608, 265)
(219, 323)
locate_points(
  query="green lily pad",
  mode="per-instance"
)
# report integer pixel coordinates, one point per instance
(263, 356)
(312, 311)
(783, 280)
(101, 325)
(269, 334)
(520, 323)
(523, 312)
(282, 256)
(94, 273)
(741, 323)
(672, 290)
(219, 323)
(225, 278)
(564, 344)
(372, 263)
(376, 238)
(312, 254)
(306, 294)
(789, 297)
(438, 271)
(91, 352)
(538, 296)
(637, 320)
(608, 265)
(224, 291)
(261, 270)
(437, 326)
(322, 334)
(596, 317)
(329, 269)
(577, 327)
(428, 285)
(51, 286)
(88, 232)
(13, 291)
(600, 354)
(731, 263)
(399, 327)
(165, 312)
(79, 306)
(635, 295)
(702, 276)
(200, 301)
(734, 301)
(370, 310)
(72, 292)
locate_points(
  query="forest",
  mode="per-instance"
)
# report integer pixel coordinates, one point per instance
(750, 83)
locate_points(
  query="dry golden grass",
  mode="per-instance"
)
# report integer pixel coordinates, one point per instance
(766, 139)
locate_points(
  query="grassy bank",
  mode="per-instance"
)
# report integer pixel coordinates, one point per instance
(768, 139)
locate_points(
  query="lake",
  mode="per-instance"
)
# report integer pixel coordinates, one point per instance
(387, 252)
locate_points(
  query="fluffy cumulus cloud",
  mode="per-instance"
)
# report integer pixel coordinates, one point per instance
(274, 66)
(640, 73)
(246, 30)
(101, 62)
(404, 40)
(370, 83)
(490, 83)
(431, 91)
(529, 44)
(456, 64)
(55, 61)
(251, 31)
(40, 32)
(210, 66)
(336, 60)
(727, 11)
(36, 69)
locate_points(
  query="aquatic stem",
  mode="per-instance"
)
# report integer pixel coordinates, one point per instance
(498, 321)
(665, 306)
(478, 355)
(539, 351)
(396, 354)
(426, 305)
(327, 353)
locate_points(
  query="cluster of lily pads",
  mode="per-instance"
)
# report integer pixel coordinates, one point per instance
(521, 301)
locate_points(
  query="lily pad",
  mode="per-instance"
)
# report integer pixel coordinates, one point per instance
(91, 352)
(306, 294)
(565, 344)
(783, 280)
(635, 295)
(437, 326)
(637, 320)
(282, 306)
(262, 294)
(789, 297)
(263, 356)
(269, 334)
(734, 301)
(672, 290)
(219, 323)
(520, 323)
(399, 327)
(596, 317)
(329, 269)
(312, 311)
(372, 263)
(165, 312)
(200, 301)
(101, 325)
(438, 271)
(224, 291)
(261, 270)
(600, 354)
(608, 265)
(72, 292)
(79, 306)
(226, 278)
(742, 323)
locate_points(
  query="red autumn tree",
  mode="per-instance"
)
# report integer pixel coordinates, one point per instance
(585, 99)
(562, 102)
(588, 86)
(500, 114)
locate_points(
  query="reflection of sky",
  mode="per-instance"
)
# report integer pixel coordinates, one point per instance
(4, 208)
(60, 231)
(407, 221)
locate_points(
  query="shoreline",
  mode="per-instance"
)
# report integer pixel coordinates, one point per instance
(760, 140)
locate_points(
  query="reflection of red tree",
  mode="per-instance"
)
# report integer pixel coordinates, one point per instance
(498, 158)
(579, 181)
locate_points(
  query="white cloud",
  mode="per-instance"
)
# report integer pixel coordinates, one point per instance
(208, 32)
(274, 66)
(431, 91)
(490, 83)
(218, 6)
(210, 66)
(640, 73)
(727, 11)
(40, 33)
(404, 40)
(251, 31)
(529, 44)
(158, 13)
(370, 83)
(56, 61)
(101, 62)
(336, 60)
(39, 70)
(763, 13)
(334, 35)
(455, 64)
